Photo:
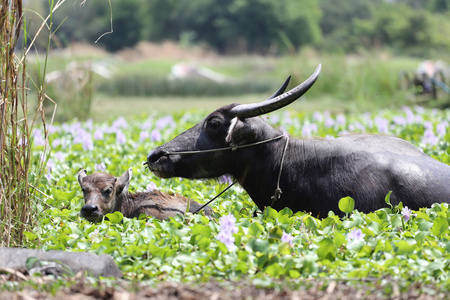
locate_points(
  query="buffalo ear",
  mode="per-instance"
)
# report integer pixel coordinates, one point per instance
(123, 181)
(81, 175)
(241, 132)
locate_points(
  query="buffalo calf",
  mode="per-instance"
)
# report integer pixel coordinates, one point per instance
(104, 193)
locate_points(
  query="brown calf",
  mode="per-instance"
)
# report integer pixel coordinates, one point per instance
(104, 193)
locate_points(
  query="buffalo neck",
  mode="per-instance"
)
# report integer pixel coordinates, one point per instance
(260, 173)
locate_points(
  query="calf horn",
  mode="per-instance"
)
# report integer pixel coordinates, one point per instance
(243, 111)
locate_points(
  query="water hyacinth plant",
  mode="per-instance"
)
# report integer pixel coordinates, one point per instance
(239, 242)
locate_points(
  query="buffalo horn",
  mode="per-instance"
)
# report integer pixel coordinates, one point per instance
(281, 89)
(243, 111)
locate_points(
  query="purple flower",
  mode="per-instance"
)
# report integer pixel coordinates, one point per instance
(441, 128)
(429, 137)
(306, 131)
(317, 116)
(228, 239)
(420, 109)
(356, 235)
(274, 119)
(100, 167)
(407, 213)
(410, 118)
(382, 124)
(56, 142)
(48, 176)
(39, 139)
(151, 186)
(329, 122)
(89, 124)
(399, 120)
(146, 125)
(227, 229)
(428, 125)
(50, 164)
(144, 135)
(164, 122)
(98, 134)
(120, 138)
(225, 179)
(287, 238)
(155, 136)
(59, 156)
(340, 119)
(85, 138)
(88, 144)
(120, 122)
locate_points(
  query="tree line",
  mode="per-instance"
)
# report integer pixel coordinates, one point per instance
(411, 27)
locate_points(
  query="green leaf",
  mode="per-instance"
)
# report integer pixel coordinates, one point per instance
(62, 196)
(339, 239)
(404, 247)
(115, 217)
(440, 226)
(133, 250)
(294, 274)
(387, 199)
(275, 270)
(30, 235)
(326, 250)
(258, 245)
(31, 262)
(255, 229)
(310, 222)
(204, 243)
(346, 205)
(270, 213)
(276, 233)
(425, 225)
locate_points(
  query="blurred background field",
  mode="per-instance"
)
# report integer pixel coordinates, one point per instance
(358, 82)
(134, 57)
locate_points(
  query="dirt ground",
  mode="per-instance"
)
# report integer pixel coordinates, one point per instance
(82, 288)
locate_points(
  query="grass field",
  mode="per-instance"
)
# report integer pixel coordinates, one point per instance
(106, 108)
(348, 83)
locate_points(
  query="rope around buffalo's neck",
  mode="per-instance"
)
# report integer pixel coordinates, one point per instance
(277, 195)
(278, 191)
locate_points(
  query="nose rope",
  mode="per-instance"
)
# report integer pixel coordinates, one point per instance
(277, 193)
(232, 147)
(217, 196)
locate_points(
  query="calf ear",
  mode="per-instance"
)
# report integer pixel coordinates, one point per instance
(124, 181)
(81, 176)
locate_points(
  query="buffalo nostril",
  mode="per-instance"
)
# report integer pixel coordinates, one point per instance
(89, 209)
(155, 155)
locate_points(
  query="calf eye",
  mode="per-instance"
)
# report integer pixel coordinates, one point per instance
(107, 192)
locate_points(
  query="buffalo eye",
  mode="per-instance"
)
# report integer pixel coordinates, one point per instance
(213, 123)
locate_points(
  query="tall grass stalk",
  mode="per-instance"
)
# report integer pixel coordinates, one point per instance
(19, 175)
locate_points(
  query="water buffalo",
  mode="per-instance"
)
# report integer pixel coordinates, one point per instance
(304, 175)
(104, 193)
